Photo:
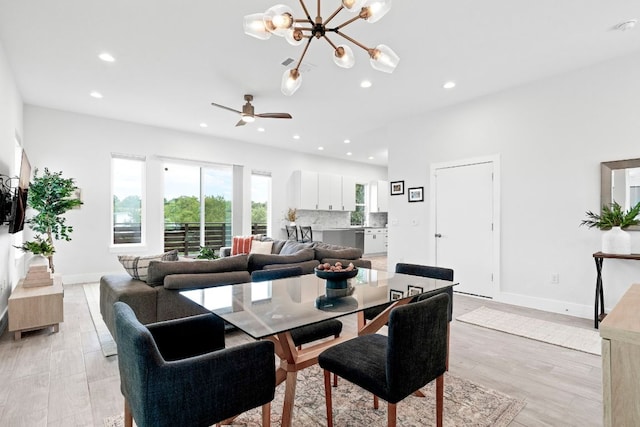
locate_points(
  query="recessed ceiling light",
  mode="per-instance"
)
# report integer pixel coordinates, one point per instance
(449, 85)
(296, 136)
(96, 94)
(349, 153)
(347, 141)
(370, 157)
(203, 125)
(320, 148)
(260, 129)
(365, 84)
(626, 25)
(106, 57)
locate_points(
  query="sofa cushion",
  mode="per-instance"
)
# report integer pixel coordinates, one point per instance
(291, 247)
(258, 247)
(307, 267)
(241, 245)
(258, 261)
(339, 252)
(137, 266)
(158, 270)
(205, 280)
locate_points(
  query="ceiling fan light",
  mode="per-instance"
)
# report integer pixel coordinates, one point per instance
(278, 19)
(353, 5)
(254, 26)
(374, 10)
(382, 58)
(247, 119)
(294, 36)
(291, 81)
(343, 56)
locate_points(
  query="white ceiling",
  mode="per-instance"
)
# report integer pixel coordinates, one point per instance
(173, 58)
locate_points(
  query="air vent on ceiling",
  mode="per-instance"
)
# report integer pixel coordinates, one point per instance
(305, 67)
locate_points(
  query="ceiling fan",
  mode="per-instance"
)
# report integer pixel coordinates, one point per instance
(247, 114)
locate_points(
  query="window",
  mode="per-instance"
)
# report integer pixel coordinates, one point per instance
(358, 216)
(127, 193)
(197, 207)
(260, 203)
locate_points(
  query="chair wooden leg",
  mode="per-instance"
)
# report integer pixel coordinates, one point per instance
(128, 418)
(439, 400)
(446, 363)
(375, 402)
(266, 415)
(335, 380)
(327, 397)
(391, 415)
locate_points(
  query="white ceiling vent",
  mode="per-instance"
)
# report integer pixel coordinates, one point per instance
(305, 67)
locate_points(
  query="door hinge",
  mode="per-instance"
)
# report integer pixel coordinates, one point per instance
(491, 277)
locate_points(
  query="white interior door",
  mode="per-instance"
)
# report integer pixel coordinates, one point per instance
(464, 220)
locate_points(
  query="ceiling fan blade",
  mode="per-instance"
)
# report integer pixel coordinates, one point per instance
(241, 123)
(225, 108)
(275, 115)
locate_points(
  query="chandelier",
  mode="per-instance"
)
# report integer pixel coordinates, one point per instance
(279, 20)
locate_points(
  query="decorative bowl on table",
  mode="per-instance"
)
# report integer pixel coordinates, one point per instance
(336, 279)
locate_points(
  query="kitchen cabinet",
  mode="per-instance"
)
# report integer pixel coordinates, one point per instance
(379, 198)
(375, 240)
(348, 193)
(305, 190)
(323, 191)
(329, 192)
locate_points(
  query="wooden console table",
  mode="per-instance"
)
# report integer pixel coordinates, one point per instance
(36, 307)
(620, 333)
(599, 257)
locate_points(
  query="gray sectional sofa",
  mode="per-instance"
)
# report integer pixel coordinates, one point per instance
(158, 298)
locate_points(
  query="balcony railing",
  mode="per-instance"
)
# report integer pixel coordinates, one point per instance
(185, 236)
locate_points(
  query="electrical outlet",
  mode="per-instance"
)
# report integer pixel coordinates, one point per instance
(555, 278)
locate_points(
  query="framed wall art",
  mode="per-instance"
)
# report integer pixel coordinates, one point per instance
(416, 194)
(397, 188)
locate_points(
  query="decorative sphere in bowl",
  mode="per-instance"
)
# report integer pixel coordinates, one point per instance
(336, 279)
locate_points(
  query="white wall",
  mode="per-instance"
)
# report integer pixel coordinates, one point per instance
(10, 124)
(551, 137)
(80, 146)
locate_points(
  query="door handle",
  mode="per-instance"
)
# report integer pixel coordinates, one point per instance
(438, 235)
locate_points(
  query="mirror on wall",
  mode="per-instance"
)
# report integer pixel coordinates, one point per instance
(620, 182)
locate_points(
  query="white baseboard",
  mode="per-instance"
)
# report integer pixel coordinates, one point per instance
(554, 306)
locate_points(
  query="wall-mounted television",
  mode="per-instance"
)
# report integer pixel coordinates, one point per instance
(19, 202)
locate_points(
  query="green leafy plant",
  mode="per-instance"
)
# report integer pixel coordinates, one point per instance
(51, 196)
(612, 216)
(38, 246)
(292, 214)
(207, 253)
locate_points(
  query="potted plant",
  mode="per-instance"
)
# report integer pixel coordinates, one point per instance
(51, 196)
(292, 214)
(614, 219)
(207, 253)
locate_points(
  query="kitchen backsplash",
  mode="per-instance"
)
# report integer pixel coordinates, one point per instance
(336, 219)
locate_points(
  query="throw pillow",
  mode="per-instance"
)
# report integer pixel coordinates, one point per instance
(241, 245)
(138, 266)
(291, 247)
(258, 247)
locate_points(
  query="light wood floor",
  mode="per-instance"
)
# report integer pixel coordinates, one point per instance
(63, 380)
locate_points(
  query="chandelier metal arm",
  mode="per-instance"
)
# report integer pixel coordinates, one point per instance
(306, 47)
(306, 11)
(333, 15)
(330, 42)
(350, 21)
(352, 40)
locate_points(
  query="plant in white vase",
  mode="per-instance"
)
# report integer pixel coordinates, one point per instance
(614, 220)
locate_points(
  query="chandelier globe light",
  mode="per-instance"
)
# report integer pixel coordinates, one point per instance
(279, 20)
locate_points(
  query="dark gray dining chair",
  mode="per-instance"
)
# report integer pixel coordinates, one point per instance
(178, 373)
(392, 367)
(432, 272)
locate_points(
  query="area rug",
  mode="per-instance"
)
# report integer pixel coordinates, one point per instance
(107, 344)
(580, 339)
(465, 404)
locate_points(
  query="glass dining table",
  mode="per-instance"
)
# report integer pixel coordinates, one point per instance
(270, 309)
